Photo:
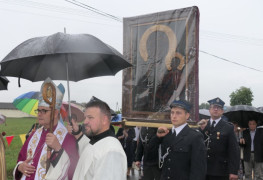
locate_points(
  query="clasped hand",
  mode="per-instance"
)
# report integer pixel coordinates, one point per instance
(52, 142)
(26, 168)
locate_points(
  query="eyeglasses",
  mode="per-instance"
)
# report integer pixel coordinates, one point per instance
(216, 107)
(41, 111)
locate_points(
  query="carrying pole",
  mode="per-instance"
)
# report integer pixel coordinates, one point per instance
(49, 92)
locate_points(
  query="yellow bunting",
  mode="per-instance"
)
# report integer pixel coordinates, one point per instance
(23, 138)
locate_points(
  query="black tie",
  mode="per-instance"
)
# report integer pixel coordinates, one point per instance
(213, 125)
(174, 133)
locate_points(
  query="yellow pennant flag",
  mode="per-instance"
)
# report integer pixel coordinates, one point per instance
(23, 138)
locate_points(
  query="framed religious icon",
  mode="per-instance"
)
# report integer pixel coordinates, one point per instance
(163, 49)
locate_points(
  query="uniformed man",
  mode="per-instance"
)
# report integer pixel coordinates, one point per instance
(151, 169)
(222, 147)
(182, 153)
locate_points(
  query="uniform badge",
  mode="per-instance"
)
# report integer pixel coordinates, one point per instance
(218, 135)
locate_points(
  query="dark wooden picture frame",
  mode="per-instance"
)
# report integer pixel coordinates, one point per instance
(163, 48)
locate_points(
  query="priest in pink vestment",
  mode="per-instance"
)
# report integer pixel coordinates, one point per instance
(31, 163)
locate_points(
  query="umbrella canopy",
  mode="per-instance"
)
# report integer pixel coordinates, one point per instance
(260, 109)
(62, 57)
(75, 112)
(27, 102)
(204, 114)
(82, 55)
(242, 114)
(2, 118)
(3, 83)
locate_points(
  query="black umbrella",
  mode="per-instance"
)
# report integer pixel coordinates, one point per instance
(242, 114)
(204, 114)
(260, 109)
(3, 83)
(62, 57)
(82, 55)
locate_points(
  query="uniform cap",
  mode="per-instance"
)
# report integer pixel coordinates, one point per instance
(217, 101)
(181, 104)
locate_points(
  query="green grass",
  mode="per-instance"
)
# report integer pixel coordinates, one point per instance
(14, 127)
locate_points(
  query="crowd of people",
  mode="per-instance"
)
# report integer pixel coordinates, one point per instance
(250, 147)
(217, 150)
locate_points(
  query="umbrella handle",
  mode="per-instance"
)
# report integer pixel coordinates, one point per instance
(49, 91)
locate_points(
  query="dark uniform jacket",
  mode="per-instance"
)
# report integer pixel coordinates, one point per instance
(187, 155)
(223, 154)
(149, 158)
(258, 145)
(127, 144)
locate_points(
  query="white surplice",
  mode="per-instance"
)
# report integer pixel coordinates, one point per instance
(104, 160)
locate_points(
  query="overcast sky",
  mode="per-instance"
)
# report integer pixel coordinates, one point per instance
(231, 30)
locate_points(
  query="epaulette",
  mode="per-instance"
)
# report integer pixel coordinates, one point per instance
(230, 123)
(196, 130)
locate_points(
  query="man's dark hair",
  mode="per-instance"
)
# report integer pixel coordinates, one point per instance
(253, 120)
(104, 108)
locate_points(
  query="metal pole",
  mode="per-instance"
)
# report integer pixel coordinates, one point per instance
(69, 108)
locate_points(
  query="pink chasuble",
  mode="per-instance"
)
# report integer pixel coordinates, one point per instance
(69, 145)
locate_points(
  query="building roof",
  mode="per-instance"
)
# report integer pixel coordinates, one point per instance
(6, 105)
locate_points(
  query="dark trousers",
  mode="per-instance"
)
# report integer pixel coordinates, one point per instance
(151, 173)
(134, 147)
(208, 177)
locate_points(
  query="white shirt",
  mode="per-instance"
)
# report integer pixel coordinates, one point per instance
(178, 129)
(217, 120)
(137, 132)
(252, 135)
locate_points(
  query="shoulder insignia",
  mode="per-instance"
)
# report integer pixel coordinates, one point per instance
(230, 123)
(196, 131)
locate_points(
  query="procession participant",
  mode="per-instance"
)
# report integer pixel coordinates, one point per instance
(252, 142)
(151, 169)
(101, 155)
(222, 147)
(31, 163)
(183, 151)
(125, 136)
(239, 134)
(135, 142)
